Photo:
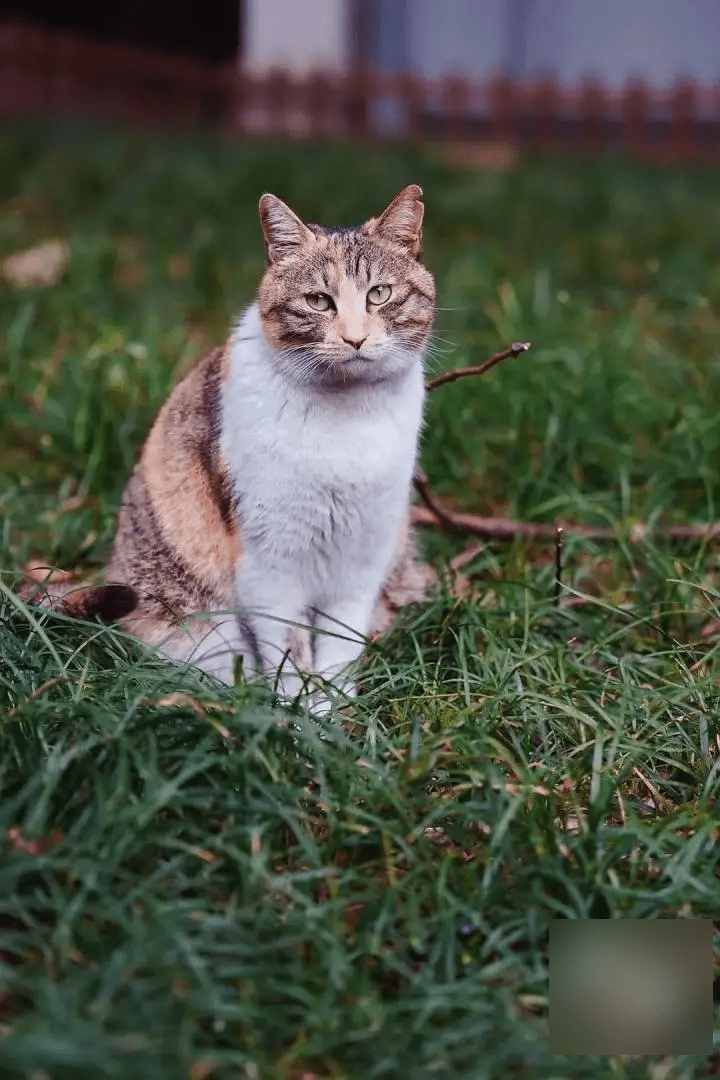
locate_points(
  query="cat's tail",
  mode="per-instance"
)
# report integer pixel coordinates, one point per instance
(60, 590)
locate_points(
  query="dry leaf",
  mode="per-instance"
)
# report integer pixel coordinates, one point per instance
(39, 265)
(352, 913)
(199, 1070)
(177, 700)
(46, 586)
(492, 154)
(38, 571)
(34, 847)
(179, 267)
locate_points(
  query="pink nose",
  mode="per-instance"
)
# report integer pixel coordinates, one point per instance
(355, 344)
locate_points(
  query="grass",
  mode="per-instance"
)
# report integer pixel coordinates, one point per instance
(197, 882)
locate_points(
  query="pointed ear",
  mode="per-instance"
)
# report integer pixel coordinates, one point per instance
(401, 221)
(284, 232)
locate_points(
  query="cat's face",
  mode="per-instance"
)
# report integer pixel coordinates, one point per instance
(346, 307)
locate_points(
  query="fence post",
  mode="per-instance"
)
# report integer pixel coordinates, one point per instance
(25, 78)
(243, 99)
(455, 103)
(634, 112)
(502, 99)
(278, 98)
(356, 102)
(593, 114)
(411, 93)
(546, 105)
(683, 112)
(13, 73)
(713, 120)
(320, 96)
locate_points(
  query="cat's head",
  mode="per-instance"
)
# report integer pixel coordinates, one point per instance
(342, 307)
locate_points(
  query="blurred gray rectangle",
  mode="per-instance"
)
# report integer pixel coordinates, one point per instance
(631, 986)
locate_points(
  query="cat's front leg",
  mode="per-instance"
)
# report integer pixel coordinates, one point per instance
(343, 634)
(274, 611)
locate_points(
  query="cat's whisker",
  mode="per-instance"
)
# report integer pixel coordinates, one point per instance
(434, 338)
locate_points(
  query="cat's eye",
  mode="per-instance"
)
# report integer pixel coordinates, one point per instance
(379, 294)
(319, 301)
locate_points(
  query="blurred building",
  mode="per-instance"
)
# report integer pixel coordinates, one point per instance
(660, 40)
(614, 40)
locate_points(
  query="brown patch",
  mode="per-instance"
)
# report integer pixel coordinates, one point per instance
(407, 582)
(188, 486)
(60, 590)
(106, 602)
(178, 542)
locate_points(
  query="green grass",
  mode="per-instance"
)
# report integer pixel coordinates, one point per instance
(231, 889)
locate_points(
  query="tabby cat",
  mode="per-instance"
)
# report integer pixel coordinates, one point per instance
(268, 513)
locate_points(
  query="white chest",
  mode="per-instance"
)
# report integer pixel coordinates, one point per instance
(322, 482)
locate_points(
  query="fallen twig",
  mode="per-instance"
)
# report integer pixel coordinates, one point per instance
(39, 691)
(464, 557)
(502, 528)
(450, 376)
(558, 563)
(421, 486)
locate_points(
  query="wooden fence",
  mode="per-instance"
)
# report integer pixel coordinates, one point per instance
(48, 71)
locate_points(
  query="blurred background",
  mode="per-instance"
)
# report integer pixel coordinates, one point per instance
(614, 40)
(640, 73)
(542, 751)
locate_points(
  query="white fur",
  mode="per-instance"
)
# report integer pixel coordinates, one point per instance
(323, 480)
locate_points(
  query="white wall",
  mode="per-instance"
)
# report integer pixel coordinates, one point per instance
(298, 35)
(457, 37)
(660, 40)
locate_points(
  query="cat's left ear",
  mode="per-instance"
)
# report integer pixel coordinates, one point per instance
(401, 221)
(284, 232)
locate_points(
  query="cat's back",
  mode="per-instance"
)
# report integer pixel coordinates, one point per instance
(177, 539)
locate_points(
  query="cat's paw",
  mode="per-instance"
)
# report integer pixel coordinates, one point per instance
(318, 696)
(320, 702)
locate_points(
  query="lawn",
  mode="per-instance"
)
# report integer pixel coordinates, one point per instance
(197, 882)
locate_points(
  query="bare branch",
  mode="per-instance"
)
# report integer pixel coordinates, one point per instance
(420, 481)
(558, 563)
(502, 528)
(450, 376)
(465, 556)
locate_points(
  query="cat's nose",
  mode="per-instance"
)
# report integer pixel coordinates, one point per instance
(355, 344)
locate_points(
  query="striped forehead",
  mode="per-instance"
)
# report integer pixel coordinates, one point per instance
(348, 253)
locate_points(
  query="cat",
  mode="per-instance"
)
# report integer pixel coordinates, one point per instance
(267, 516)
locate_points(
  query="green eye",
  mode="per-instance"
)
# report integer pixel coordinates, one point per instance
(379, 294)
(318, 301)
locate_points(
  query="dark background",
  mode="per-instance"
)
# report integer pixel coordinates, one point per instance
(208, 30)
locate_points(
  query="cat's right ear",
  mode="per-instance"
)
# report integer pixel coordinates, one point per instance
(284, 232)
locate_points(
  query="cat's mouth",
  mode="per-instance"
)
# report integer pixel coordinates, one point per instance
(358, 358)
(353, 371)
